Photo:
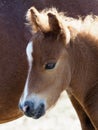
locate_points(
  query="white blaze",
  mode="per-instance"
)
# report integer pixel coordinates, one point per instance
(35, 98)
(29, 51)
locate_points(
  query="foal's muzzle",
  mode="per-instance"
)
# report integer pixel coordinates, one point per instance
(29, 109)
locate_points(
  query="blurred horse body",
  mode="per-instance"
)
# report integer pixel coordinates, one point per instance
(13, 41)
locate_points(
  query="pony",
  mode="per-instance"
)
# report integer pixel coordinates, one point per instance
(14, 37)
(62, 55)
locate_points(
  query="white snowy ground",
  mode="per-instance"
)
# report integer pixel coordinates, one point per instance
(61, 117)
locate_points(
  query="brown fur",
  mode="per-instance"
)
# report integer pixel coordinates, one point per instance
(13, 41)
(73, 46)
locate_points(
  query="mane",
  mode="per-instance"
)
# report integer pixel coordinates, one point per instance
(88, 24)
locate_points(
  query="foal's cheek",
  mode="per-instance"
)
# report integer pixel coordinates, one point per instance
(53, 93)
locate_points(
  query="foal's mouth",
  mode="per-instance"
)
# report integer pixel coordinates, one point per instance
(33, 109)
(35, 113)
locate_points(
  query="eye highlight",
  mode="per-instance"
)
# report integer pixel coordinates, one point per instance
(49, 66)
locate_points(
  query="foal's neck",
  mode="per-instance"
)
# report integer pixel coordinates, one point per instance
(83, 54)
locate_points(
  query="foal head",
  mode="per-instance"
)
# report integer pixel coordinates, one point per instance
(49, 69)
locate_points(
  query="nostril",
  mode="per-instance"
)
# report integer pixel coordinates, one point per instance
(26, 108)
(42, 105)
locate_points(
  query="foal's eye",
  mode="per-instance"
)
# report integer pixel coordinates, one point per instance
(50, 66)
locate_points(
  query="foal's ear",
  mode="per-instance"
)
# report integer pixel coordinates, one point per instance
(37, 20)
(31, 17)
(54, 23)
(57, 27)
